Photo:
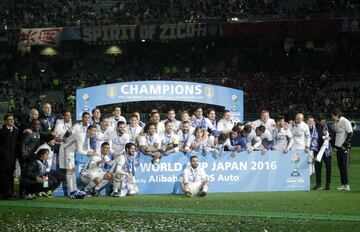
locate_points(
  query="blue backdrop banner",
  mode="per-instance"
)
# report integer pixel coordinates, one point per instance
(254, 172)
(89, 98)
(273, 171)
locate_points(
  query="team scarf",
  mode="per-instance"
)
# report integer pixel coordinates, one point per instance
(199, 122)
(314, 146)
(43, 165)
(93, 143)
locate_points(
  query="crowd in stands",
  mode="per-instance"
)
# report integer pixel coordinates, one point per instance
(63, 12)
(282, 81)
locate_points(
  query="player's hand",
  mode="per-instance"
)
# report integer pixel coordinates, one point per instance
(131, 177)
(96, 154)
(263, 151)
(306, 150)
(233, 153)
(157, 155)
(28, 131)
(286, 126)
(286, 150)
(39, 179)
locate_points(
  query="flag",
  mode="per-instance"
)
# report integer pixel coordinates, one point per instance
(40, 36)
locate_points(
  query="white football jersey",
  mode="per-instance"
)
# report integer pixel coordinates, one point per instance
(149, 140)
(283, 138)
(342, 128)
(225, 125)
(133, 132)
(62, 127)
(194, 175)
(301, 134)
(117, 141)
(101, 137)
(270, 123)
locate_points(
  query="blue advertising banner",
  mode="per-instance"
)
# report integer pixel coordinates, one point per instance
(254, 172)
(89, 98)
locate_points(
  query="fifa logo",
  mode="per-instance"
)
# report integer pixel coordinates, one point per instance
(86, 98)
(209, 92)
(111, 91)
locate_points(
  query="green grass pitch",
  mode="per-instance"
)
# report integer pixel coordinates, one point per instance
(276, 211)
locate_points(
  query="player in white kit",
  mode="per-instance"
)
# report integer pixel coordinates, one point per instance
(169, 140)
(134, 129)
(118, 138)
(195, 181)
(282, 135)
(79, 144)
(301, 133)
(124, 172)
(93, 175)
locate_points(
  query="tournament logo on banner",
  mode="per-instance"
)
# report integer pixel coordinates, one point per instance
(40, 36)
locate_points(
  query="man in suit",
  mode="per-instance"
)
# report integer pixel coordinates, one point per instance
(8, 153)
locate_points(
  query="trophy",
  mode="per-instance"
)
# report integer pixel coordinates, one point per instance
(295, 158)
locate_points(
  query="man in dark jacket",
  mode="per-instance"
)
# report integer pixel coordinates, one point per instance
(31, 141)
(36, 179)
(25, 123)
(8, 141)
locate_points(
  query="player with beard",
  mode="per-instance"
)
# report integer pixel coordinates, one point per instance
(195, 182)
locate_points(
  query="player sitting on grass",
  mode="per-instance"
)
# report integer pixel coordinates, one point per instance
(195, 182)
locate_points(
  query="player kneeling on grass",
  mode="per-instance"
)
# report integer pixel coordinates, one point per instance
(195, 182)
(35, 178)
(124, 172)
(93, 175)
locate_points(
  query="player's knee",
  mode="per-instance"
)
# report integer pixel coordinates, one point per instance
(205, 182)
(117, 177)
(96, 180)
(107, 176)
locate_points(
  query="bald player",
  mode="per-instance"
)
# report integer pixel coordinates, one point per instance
(301, 134)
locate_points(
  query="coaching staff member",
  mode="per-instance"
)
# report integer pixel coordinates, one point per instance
(343, 135)
(8, 141)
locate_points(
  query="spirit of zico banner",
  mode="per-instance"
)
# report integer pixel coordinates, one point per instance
(89, 98)
(274, 171)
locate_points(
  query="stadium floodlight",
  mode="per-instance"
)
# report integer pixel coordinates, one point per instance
(48, 51)
(113, 50)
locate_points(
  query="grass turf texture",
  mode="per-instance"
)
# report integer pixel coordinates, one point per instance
(275, 211)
